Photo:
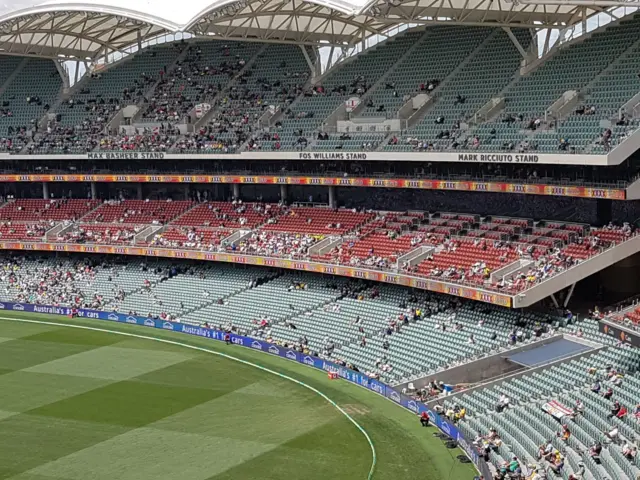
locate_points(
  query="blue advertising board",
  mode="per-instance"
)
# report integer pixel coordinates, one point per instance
(441, 422)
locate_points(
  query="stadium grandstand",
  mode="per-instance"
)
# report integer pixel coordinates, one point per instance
(442, 197)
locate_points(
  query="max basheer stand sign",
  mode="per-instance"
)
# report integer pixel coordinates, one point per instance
(126, 156)
(442, 423)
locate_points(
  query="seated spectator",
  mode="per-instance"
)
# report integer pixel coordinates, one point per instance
(565, 433)
(615, 408)
(545, 450)
(594, 451)
(613, 434)
(503, 402)
(622, 412)
(514, 464)
(629, 451)
(557, 464)
(605, 139)
(563, 144)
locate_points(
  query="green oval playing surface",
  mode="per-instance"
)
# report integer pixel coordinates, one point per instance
(78, 404)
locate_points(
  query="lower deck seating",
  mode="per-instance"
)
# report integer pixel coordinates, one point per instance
(523, 427)
(386, 330)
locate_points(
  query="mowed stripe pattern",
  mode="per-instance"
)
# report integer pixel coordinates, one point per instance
(77, 405)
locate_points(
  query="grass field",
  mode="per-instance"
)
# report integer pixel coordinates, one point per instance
(78, 404)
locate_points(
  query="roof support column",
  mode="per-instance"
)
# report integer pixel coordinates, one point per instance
(64, 74)
(547, 39)
(569, 294)
(329, 63)
(312, 67)
(139, 39)
(516, 42)
(75, 75)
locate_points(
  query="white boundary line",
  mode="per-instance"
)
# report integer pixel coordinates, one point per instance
(224, 355)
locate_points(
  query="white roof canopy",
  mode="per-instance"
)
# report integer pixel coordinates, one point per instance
(90, 28)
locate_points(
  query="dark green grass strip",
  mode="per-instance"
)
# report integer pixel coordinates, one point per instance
(27, 441)
(20, 354)
(128, 403)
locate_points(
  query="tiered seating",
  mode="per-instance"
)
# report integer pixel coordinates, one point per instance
(101, 234)
(22, 231)
(630, 315)
(467, 259)
(228, 215)
(190, 237)
(39, 209)
(611, 234)
(571, 68)
(318, 221)
(379, 243)
(7, 66)
(609, 92)
(276, 79)
(138, 211)
(207, 67)
(426, 64)
(353, 79)
(485, 75)
(414, 348)
(273, 301)
(27, 99)
(181, 294)
(463, 248)
(524, 426)
(85, 114)
(276, 244)
(90, 286)
(147, 139)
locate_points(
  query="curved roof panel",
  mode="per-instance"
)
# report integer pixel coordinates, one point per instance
(89, 28)
(162, 12)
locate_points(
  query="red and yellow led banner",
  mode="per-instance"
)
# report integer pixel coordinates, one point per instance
(531, 189)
